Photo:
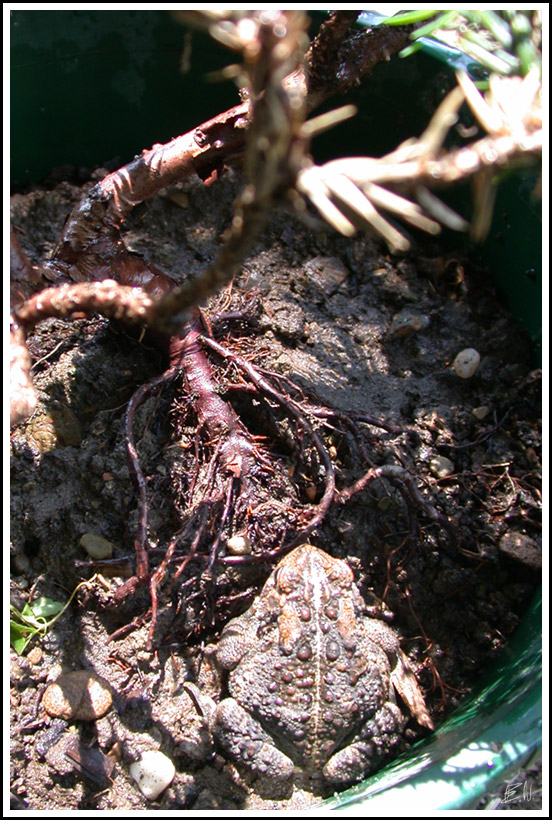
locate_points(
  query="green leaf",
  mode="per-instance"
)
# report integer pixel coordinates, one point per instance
(406, 52)
(409, 17)
(18, 629)
(442, 22)
(44, 607)
(20, 636)
(28, 619)
(498, 28)
(33, 619)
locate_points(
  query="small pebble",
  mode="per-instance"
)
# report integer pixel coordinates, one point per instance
(239, 545)
(521, 548)
(441, 466)
(466, 363)
(34, 655)
(326, 273)
(96, 546)
(116, 751)
(80, 695)
(481, 412)
(405, 323)
(153, 773)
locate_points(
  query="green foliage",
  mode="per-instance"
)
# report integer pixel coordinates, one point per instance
(31, 621)
(505, 42)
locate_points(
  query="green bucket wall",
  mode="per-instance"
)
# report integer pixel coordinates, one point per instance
(91, 87)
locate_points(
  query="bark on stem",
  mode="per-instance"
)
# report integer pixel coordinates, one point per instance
(342, 54)
(115, 301)
(205, 149)
(107, 204)
(90, 244)
(216, 417)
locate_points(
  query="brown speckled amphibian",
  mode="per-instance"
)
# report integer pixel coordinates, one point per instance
(312, 677)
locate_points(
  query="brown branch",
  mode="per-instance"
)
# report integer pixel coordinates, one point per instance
(273, 156)
(270, 164)
(106, 205)
(341, 54)
(23, 399)
(294, 409)
(90, 246)
(205, 149)
(214, 414)
(115, 301)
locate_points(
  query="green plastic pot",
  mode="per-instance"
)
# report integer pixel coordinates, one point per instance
(497, 731)
(90, 87)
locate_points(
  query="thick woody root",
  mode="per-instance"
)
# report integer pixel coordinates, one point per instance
(283, 82)
(231, 492)
(231, 484)
(242, 497)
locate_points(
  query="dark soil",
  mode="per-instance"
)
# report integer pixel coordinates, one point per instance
(359, 331)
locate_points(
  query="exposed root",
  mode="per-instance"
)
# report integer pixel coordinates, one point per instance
(141, 544)
(241, 497)
(291, 407)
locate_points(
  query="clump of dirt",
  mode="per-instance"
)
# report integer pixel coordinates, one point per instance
(346, 326)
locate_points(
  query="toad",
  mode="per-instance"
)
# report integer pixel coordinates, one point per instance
(312, 678)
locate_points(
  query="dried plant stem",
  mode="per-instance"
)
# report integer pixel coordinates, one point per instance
(273, 156)
(115, 301)
(341, 54)
(205, 149)
(109, 202)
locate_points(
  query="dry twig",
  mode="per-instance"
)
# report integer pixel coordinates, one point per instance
(511, 114)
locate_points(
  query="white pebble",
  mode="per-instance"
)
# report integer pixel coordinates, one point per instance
(96, 546)
(153, 773)
(481, 412)
(239, 545)
(441, 466)
(466, 363)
